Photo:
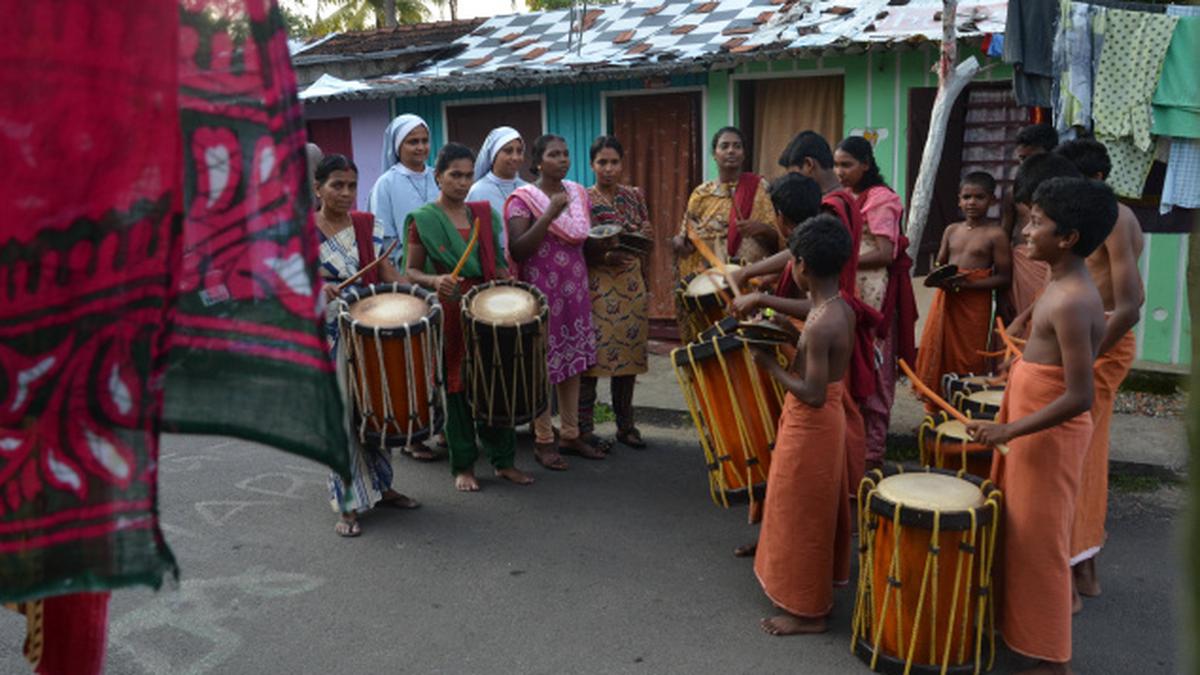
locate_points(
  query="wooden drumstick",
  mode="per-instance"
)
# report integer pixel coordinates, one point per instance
(368, 267)
(707, 253)
(467, 253)
(940, 402)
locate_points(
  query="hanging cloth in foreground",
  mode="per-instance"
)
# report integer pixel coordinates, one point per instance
(156, 270)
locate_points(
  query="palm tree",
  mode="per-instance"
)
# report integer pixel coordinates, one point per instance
(354, 15)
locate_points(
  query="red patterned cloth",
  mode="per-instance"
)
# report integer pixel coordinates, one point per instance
(156, 269)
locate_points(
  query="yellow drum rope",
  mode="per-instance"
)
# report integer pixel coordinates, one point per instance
(864, 619)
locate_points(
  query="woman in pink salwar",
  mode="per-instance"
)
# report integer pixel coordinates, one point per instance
(548, 221)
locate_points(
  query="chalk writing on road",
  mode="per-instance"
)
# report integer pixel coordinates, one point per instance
(202, 609)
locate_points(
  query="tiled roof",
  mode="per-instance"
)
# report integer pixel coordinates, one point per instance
(642, 35)
(404, 36)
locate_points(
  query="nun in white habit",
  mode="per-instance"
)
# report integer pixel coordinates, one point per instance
(496, 170)
(407, 183)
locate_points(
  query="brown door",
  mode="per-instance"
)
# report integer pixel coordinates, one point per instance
(663, 155)
(470, 124)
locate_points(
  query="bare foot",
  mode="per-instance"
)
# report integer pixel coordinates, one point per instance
(1086, 580)
(1076, 601)
(790, 624)
(465, 482)
(515, 475)
(745, 550)
(1048, 668)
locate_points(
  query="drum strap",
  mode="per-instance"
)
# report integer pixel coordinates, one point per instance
(364, 238)
(482, 215)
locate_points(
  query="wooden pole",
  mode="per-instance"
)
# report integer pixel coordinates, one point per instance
(952, 79)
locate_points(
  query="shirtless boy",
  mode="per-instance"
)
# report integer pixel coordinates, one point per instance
(959, 320)
(801, 555)
(1046, 422)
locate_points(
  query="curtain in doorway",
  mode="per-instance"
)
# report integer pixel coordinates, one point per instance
(785, 107)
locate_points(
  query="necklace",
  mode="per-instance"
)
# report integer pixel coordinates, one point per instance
(819, 310)
(329, 228)
(422, 188)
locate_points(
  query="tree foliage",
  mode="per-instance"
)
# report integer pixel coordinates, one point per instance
(356, 15)
(547, 5)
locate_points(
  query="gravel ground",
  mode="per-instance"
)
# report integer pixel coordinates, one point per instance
(1151, 405)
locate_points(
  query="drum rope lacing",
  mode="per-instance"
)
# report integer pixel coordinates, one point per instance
(524, 371)
(716, 450)
(430, 336)
(863, 618)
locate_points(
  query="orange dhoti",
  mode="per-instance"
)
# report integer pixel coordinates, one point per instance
(856, 441)
(804, 545)
(1040, 478)
(1029, 278)
(1091, 506)
(955, 332)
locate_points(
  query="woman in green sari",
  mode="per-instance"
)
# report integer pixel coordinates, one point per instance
(437, 238)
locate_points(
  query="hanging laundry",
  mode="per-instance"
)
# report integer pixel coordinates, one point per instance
(1029, 46)
(1135, 44)
(1177, 98)
(1077, 48)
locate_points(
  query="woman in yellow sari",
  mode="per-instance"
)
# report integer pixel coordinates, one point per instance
(731, 215)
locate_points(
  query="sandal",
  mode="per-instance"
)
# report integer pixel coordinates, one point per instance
(347, 528)
(398, 501)
(631, 437)
(602, 444)
(420, 452)
(580, 447)
(547, 455)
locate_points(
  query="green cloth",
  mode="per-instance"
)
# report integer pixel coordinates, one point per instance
(1135, 44)
(1177, 98)
(444, 245)
(499, 443)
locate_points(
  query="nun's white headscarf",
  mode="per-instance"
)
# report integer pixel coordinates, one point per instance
(497, 139)
(395, 134)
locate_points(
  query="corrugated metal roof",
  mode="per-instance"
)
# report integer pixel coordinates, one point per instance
(646, 37)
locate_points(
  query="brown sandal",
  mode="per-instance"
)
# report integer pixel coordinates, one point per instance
(547, 455)
(580, 447)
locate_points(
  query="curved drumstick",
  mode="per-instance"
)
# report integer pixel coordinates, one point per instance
(467, 253)
(1010, 341)
(940, 402)
(706, 253)
(368, 267)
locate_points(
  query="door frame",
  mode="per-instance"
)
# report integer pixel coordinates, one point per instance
(488, 100)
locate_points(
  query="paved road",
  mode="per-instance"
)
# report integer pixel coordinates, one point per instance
(620, 566)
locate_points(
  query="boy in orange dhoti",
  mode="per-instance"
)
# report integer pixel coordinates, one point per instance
(1029, 276)
(960, 318)
(804, 546)
(1114, 269)
(1046, 417)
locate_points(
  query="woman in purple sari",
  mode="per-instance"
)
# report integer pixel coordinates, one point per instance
(548, 222)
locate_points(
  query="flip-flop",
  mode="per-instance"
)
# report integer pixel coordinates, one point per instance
(581, 448)
(548, 456)
(398, 502)
(745, 550)
(347, 528)
(420, 452)
(632, 438)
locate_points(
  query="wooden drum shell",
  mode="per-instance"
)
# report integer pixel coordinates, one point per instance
(736, 407)
(506, 381)
(894, 598)
(408, 411)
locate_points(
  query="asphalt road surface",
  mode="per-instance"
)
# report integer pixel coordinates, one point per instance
(620, 566)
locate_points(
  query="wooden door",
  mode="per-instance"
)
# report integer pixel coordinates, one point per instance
(331, 135)
(470, 124)
(663, 157)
